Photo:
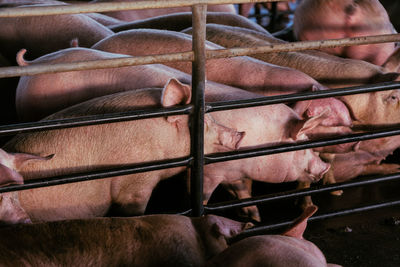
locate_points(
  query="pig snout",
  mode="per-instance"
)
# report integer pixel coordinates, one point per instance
(316, 168)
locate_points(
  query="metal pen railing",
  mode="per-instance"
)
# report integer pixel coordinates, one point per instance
(198, 56)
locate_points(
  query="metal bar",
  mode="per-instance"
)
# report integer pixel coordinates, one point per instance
(80, 177)
(299, 193)
(270, 100)
(304, 45)
(114, 6)
(197, 119)
(300, 145)
(188, 56)
(91, 120)
(211, 107)
(265, 228)
(123, 61)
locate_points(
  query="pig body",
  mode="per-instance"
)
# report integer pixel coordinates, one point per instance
(288, 249)
(154, 240)
(271, 250)
(329, 70)
(183, 20)
(45, 34)
(242, 72)
(320, 20)
(279, 124)
(93, 148)
(377, 108)
(131, 15)
(34, 100)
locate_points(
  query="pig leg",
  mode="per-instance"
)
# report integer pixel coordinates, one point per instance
(242, 189)
(384, 168)
(306, 201)
(329, 177)
(129, 198)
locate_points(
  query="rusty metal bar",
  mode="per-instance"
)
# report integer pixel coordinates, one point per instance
(188, 56)
(114, 6)
(197, 118)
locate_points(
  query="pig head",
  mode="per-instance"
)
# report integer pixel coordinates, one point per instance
(333, 19)
(154, 240)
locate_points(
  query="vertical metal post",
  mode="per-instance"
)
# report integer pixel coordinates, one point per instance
(197, 117)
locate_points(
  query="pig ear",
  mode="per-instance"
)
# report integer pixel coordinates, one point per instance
(175, 93)
(17, 160)
(392, 64)
(8, 176)
(228, 138)
(299, 225)
(20, 159)
(226, 227)
(304, 126)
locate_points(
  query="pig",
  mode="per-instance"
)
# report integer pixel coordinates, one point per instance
(333, 19)
(32, 95)
(256, 121)
(45, 34)
(183, 20)
(288, 249)
(91, 148)
(371, 109)
(132, 15)
(152, 240)
(241, 72)
(281, 124)
(318, 65)
(35, 101)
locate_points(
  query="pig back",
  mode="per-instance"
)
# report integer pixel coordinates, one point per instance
(155, 240)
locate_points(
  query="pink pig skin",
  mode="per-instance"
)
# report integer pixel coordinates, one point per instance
(182, 20)
(110, 145)
(287, 124)
(333, 19)
(371, 109)
(132, 15)
(318, 65)
(45, 34)
(153, 240)
(242, 72)
(288, 249)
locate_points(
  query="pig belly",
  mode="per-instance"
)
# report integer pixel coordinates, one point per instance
(70, 201)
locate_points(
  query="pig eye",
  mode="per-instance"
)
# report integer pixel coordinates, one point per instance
(394, 98)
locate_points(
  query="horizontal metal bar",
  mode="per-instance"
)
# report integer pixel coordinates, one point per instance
(261, 151)
(300, 193)
(265, 228)
(80, 177)
(92, 120)
(304, 45)
(114, 6)
(211, 107)
(270, 100)
(188, 56)
(123, 61)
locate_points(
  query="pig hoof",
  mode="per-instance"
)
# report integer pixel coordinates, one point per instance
(337, 193)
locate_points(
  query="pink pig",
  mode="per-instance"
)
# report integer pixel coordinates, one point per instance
(91, 148)
(288, 249)
(153, 240)
(333, 19)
